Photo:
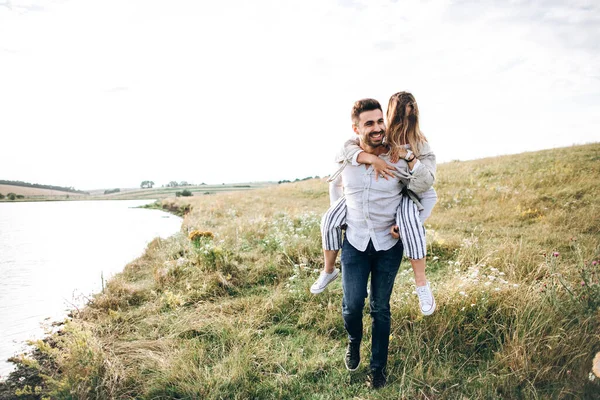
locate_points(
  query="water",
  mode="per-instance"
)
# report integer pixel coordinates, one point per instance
(53, 255)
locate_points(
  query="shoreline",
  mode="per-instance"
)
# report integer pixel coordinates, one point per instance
(22, 369)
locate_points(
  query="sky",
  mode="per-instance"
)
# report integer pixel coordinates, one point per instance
(109, 93)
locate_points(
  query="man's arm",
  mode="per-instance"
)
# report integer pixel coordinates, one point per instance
(336, 189)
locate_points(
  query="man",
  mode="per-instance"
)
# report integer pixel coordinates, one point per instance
(369, 248)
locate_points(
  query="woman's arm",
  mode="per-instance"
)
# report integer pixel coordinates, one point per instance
(423, 170)
(354, 154)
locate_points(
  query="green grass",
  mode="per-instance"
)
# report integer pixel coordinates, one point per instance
(512, 245)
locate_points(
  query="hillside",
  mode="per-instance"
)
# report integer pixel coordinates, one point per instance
(514, 260)
(33, 192)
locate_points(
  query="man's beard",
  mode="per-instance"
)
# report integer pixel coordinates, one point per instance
(375, 144)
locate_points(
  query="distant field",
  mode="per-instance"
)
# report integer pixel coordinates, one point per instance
(30, 192)
(164, 192)
(128, 193)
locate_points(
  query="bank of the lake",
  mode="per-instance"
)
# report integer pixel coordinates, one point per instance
(514, 260)
(55, 255)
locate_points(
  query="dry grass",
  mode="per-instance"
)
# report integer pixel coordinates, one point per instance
(514, 249)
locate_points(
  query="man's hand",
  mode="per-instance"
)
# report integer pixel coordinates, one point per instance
(395, 231)
(382, 169)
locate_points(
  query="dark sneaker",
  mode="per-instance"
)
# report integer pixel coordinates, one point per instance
(352, 358)
(377, 379)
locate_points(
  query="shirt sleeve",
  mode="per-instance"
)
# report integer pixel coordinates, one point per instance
(422, 178)
(336, 189)
(415, 167)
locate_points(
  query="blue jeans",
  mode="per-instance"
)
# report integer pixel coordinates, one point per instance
(356, 267)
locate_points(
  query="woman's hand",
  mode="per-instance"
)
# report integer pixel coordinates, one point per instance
(395, 231)
(382, 169)
(397, 153)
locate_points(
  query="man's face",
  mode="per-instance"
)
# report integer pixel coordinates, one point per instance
(370, 128)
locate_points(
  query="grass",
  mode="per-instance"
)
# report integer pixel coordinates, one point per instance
(514, 247)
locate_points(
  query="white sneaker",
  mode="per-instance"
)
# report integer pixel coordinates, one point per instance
(323, 280)
(426, 300)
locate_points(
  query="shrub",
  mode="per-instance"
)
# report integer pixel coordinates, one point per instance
(2, 196)
(11, 196)
(186, 193)
(109, 191)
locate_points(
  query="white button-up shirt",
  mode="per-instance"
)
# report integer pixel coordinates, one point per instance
(370, 205)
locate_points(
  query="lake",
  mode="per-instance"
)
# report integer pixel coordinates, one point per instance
(54, 255)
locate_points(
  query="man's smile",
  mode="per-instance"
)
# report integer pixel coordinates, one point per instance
(376, 135)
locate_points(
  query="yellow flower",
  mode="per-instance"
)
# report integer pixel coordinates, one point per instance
(197, 235)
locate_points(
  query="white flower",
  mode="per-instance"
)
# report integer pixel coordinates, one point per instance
(501, 273)
(515, 285)
(472, 304)
(491, 277)
(462, 293)
(488, 283)
(497, 289)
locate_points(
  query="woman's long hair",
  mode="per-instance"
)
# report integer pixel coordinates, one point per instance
(403, 125)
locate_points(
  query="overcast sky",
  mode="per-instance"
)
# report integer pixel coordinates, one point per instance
(108, 93)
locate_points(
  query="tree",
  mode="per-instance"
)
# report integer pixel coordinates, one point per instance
(147, 184)
(2, 196)
(11, 196)
(173, 184)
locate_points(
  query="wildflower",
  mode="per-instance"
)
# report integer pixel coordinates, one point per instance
(594, 262)
(462, 293)
(515, 285)
(462, 309)
(591, 377)
(488, 283)
(582, 283)
(197, 235)
(437, 258)
(501, 273)
(21, 379)
(472, 304)
(497, 289)
(555, 254)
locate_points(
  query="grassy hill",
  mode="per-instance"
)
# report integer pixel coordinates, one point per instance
(514, 253)
(36, 193)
